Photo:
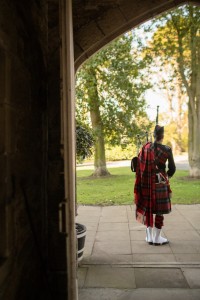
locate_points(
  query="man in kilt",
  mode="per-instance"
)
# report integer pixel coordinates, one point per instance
(152, 189)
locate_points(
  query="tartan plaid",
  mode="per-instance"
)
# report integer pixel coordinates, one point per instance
(150, 198)
(159, 221)
(163, 202)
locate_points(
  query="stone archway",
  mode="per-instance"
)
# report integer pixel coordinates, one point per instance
(95, 25)
(30, 133)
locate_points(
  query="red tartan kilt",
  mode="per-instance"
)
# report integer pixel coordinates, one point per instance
(163, 202)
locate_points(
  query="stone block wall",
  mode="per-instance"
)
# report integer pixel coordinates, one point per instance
(23, 149)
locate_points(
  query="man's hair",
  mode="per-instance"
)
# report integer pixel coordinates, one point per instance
(158, 132)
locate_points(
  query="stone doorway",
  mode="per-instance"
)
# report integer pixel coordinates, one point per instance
(107, 253)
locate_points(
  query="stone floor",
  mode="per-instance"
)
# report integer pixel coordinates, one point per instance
(119, 265)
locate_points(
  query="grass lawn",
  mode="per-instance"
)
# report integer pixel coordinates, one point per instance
(117, 189)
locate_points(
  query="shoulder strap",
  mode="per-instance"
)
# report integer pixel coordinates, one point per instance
(154, 147)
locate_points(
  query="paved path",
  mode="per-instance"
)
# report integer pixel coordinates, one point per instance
(181, 162)
(119, 265)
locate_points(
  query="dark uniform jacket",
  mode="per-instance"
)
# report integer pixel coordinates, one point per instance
(163, 154)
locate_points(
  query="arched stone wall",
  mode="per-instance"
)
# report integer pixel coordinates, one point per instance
(96, 23)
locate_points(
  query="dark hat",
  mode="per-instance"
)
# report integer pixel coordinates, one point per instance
(158, 132)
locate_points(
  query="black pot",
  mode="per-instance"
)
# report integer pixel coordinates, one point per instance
(81, 235)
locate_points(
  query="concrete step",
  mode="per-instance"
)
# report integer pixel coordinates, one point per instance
(136, 277)
(193, 264)
(139, 294)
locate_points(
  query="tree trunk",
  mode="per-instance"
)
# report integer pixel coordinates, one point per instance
(100, 168)
(194, 105)
(193, 91)
(194, 144)
(179, 117)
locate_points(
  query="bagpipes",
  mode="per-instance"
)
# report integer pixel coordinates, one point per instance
(139, 145)
(134, 160)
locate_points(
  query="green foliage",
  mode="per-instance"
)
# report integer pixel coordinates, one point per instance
(174, 47)
(120, 152)
(84, 141)
(165, 53)
(116, 72)
(173, 33)
(117, 189)
(176, 138)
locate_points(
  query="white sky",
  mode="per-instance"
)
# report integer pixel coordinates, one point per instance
(154, 99)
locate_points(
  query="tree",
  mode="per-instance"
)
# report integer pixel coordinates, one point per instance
(176, 111)
(110, 89)
(176, 41)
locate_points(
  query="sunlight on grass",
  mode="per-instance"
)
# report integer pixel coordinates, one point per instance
(117, 189)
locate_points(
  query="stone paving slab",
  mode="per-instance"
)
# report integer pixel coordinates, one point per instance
(188, 257)
(137, 235)
(82, 272)
(160, 278)
(139, 294)
(90, 225)
(116, 276)
(178, 234)
(112, 277)
(154, 258)
(113, 226)
(112, 235)
(115, 248)
(128, 277)
(89, 208)
(91, 235)
(113, 230)
(113, 218)
(113, 211)
(173, 225)
(193, 277)
(136, 226)
(141, 247)
(186, 207)
(106, 258)
(182, 246)
(84, 219)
